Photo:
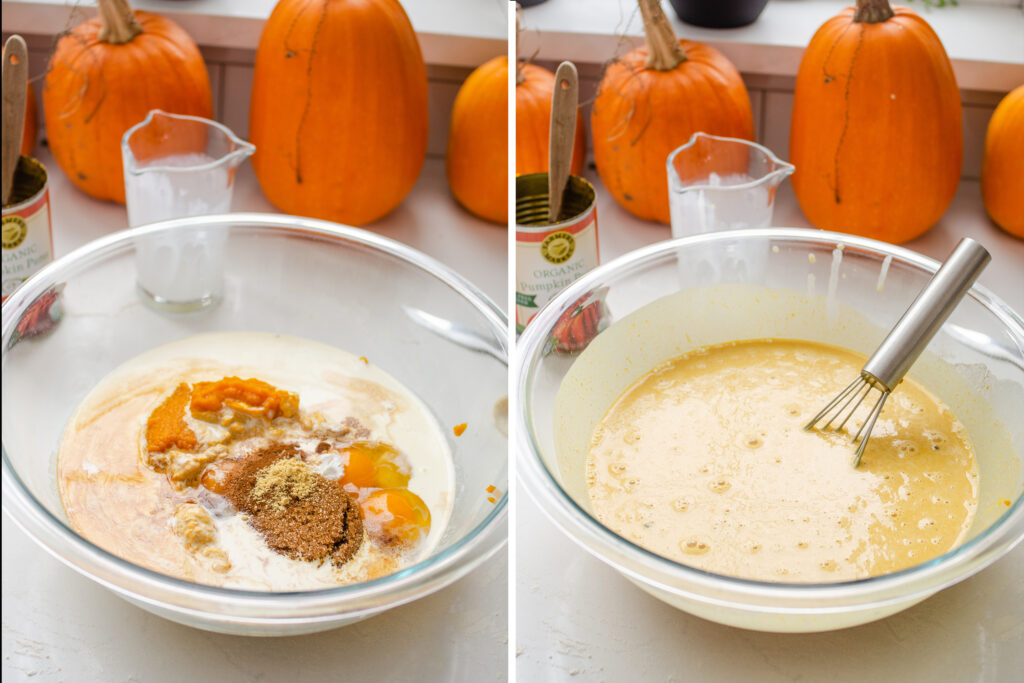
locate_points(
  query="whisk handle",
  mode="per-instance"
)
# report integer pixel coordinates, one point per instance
(925, 316)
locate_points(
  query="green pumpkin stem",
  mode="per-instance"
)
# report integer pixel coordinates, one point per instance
(872, 11)
(664, 52)
(118, 24)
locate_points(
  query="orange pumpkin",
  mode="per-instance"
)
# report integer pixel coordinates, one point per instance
(1002, 171)
(339, 108)
(31, 130)
(477, 160)
(875, 136)
(104, 77)
(535, 86)
(651, 101)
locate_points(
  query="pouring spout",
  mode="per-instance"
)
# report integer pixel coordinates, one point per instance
(714, 162)
(176, 143)
(782, 171)
(234, 159)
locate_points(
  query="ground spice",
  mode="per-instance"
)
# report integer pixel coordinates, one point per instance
(349, 430)
(299, 513)
(285, 481)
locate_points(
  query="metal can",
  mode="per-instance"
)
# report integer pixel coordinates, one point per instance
(27, 234)
(550, 256)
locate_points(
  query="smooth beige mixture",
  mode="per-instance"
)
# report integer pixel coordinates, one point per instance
(704, 460)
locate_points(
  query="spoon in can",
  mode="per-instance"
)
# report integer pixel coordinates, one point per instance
(15, 87)
(564, 102)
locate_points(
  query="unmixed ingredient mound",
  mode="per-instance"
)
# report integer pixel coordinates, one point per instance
(196, 459)
(299, 512)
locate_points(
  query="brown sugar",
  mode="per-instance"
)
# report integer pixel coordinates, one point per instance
(299, 513)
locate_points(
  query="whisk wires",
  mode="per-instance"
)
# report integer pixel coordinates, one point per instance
(843, 406)
(905, 342)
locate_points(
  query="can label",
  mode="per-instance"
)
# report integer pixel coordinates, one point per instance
(551, 258)
(27, 240)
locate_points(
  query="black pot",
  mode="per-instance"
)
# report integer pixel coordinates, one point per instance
(718, 13)
(530, 3)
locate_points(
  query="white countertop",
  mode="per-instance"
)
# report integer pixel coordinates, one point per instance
(60, 626)
(578, 619)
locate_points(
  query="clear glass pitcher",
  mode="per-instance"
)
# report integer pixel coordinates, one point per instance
(178, 166)
(717, 183)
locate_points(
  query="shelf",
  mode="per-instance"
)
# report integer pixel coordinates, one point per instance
(451, 32)
(985, 42)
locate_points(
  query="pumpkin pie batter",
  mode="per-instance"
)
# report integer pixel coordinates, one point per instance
(704, 460)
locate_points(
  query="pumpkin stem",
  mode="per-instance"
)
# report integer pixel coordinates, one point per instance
(872, 11)
(520, 76)
(118, 24)
(663, 50)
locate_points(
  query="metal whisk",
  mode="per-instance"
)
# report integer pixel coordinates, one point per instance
(905, 342)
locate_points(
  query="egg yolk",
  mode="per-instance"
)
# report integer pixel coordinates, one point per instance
(358, 470)
(216, 475)
(396, 513)
(387, 475)
(368, 466)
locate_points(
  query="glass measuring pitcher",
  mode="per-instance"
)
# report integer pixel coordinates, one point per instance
(717, 183)
(178, 166)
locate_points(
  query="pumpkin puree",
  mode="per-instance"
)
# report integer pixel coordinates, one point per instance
(252, 397)
(166, 425)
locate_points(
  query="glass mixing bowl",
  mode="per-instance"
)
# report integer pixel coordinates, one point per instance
(661, 301)
(337, 285)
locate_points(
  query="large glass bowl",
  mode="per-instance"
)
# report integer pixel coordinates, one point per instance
(307, 278)
(661, 301)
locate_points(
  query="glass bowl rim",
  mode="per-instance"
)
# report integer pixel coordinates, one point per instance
(123, 576)
(728, 591)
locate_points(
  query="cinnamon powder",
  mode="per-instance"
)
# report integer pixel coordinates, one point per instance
(299, 513)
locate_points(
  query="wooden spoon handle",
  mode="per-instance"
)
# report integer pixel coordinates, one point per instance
(564, 102)
(15, 85)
